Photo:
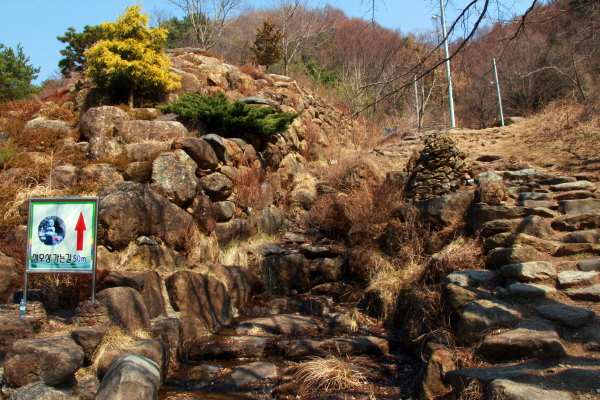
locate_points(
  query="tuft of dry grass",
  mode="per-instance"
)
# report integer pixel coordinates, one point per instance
(330, 373)
(201, 249)
(237, 252)
(117, 338)
(474, 391)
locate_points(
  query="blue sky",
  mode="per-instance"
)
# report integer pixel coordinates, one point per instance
(35, 24)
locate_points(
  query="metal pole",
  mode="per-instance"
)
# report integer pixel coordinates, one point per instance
(416, 102)
(25, 287)
(448, 76)
(498, 90)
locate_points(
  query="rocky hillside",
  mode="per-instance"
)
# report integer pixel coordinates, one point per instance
(425, 267)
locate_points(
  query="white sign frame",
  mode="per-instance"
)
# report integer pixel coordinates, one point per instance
(62, 237)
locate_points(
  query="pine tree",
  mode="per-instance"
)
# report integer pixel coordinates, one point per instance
(77, 44)
(15, 74)
(267, 44)
(131, 55)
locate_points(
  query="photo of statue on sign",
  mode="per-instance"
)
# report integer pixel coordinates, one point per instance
(52, 230)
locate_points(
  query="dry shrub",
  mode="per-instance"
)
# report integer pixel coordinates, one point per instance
(248, 192)
(253, 72)
(44, 140)
(200, 249)
(61, 113)
(567, 127)
(328, 214)
(16, 114)
(116, 338)
(330, 373)
(62, 291)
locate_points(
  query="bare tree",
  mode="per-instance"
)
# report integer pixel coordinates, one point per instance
(209, 18)
(299, 26)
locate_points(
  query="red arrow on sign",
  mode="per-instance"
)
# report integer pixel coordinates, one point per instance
(80, 228)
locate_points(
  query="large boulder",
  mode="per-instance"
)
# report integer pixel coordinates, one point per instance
(519, 343)
(175, 173)
(140, 152)
(138, 171)
(126, 306)
(62, 177)
(148, 283)
(287, 272)
(446, 210)
(218, 145)
(234, 229)
(100, 122)
(270, 220)
(89, 338)
(199, 150)
(13, 328)
(153, 131)
(53, 360)
(105, 148)
(130, 377)
(236, 279)
(147, 214)
(481, 316)
(203, 303)
(168, 331)
(39, 391)
(205, 213)
(44, 123)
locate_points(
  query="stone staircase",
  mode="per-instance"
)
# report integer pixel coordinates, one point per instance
(532, 316)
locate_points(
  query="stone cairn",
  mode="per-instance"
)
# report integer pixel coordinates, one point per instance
(89, 313)
(34, 309)
(439, 170)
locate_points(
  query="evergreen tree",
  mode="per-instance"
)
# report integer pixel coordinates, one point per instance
(77, 44)
(267, 44)
(131, 55)
(15, 74)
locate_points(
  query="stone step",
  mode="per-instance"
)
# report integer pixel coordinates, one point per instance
(569, 316)
(529, 271)
(592, 264)
(306, 305)
(522, 342)
(282, 324)
(531, 290)
(591, 293)
(549, 374)
(569, 279)
(260, 347)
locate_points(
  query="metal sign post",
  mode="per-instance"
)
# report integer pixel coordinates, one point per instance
(61, 237)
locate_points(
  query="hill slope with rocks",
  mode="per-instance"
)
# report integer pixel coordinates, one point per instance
(431, 265)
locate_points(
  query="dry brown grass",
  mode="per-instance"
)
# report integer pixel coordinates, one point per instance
(474, 391)
(201, 249)
(116, 338)
(330, 373)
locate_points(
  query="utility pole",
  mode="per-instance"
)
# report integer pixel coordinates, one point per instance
(498, 91)
(448, 75)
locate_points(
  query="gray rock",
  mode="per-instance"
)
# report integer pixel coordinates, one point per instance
(98, 174)
(552, 205)
(509, 239)
(284, 324)
(574, 195)
(126, 306)
(130, 377)
(592, 341)
(10, 278)
(13, 328)
(569, 249)
(153, 131)
(569, 279)
(140, 172)
(578, 185)
(531, 290)
(504, 389)
(577, 222)
(199, 150)
(39, 391)
(145, 152)
(343, 346)
(482, 213)
(216, 186)
(148, 214)
(104, 147)
(529, 271)
(569, 316)
(270, 220)
(447, 209)
(489, 158)
(100, 122)
(234, 229)
(460, 378)
(224, 210)
(570, 207)
(286, 272)
(432, 374)
(587, 236)
(472, 278)
(43, 123)
(541, 212)
(535, 196)
(62, 177)
(237, 281)
(586, 176)
(253, 372)
(589, 265)
(148, 283)
(205, 213)
(513, 255)
(591, 293)
(459, 296)
(532, 225)
(520, 343)
(89, 338)
(557, 180)
(522, 174)
(202, 301)
(218, 145)
(53, 360)
(480, 316)
(175, 173)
